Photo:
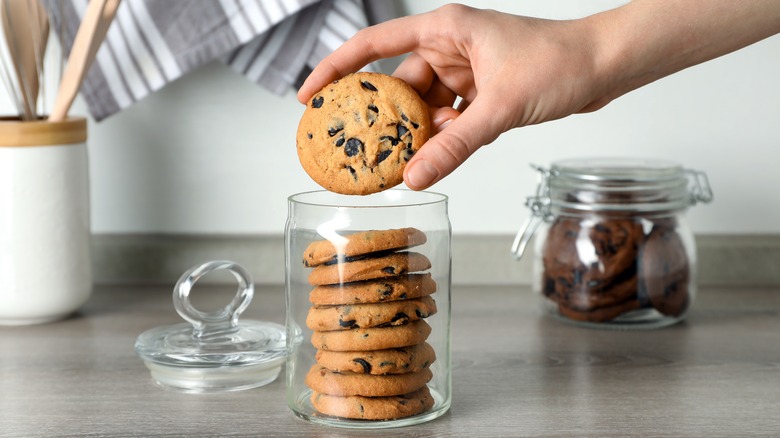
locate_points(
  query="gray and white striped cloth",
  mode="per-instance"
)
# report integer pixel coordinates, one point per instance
(274, 43)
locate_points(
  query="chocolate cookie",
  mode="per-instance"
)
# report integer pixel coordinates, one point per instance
(589, 299)
(351, 316)
(664, 271)
(602, 314)
(374, 408)
(584, 255)
(357, 244)
(392, 361)
(325, 381)
(357, 133)
(376, 291)
(391, 265)
(375, 338)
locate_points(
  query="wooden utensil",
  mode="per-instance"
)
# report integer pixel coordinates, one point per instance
(90, 35)
(22, 28)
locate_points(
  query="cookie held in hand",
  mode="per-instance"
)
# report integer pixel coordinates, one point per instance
(357, 133)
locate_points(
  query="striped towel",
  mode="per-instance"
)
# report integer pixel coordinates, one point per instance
(274, 43)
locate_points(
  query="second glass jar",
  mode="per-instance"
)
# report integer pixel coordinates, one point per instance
(613, 248)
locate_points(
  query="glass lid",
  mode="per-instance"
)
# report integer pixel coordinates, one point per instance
(214, 351)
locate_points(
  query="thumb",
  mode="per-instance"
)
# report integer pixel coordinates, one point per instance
(452, 145)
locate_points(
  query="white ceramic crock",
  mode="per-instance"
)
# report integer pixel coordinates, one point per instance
(45, 266)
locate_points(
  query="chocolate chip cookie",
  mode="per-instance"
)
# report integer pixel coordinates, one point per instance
(394, 264)
(349, 316)
(374, 338)
(390, 361)
(361, 243)
(582, 254)
(664, 271)
(374, 291)
(373, 408)
(325, 381)
(357, 133)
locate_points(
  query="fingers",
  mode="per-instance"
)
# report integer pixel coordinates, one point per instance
(416, 72)
(366, 46)
(441, 117)
(456, 140)
(439, 95)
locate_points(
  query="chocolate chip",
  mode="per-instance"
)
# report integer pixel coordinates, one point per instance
(414, 125)
(335, 130)
(368, 85)
(387, 291)
(408, 154)
(317, 102)
(400, 318)
(403, 296)
(308, 134)
(366, 366)
(402, 130)
(419, 313)
(353, 147)
(404, 118)
(347, 324)
(340, 140)
(393, 141)
(388, 270)
(382, 156)
(373, 108)
(353, 172)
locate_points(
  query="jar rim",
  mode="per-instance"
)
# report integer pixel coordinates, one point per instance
(623, 184)
(617, 169)
(391, 198)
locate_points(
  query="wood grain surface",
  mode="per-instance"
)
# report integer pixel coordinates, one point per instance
(515, 373)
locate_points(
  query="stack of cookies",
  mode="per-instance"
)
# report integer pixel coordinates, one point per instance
(367, 315)
(596, 270)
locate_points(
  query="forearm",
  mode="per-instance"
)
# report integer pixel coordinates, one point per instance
(646, 40)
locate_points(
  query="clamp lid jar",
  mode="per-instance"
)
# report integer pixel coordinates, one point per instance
(613, 246)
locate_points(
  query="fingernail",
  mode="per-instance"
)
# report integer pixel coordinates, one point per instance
(422, 174)
(441, 125)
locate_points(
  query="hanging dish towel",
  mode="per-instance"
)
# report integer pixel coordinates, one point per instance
(274, 43)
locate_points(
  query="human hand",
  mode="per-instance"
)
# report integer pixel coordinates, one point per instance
(509, 71)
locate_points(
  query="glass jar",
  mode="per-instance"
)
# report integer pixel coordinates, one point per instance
(613, 248)
(368, 308)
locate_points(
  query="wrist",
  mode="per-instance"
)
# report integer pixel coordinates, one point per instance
(646, 40)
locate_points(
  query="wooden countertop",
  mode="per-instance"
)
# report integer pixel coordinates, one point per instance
(515, 373)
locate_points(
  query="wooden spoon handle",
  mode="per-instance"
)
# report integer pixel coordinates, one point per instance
(105, 22)
(17, 23)
(81, 56)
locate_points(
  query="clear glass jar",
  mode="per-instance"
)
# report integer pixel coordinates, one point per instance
(613, 248)
(368, 308)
